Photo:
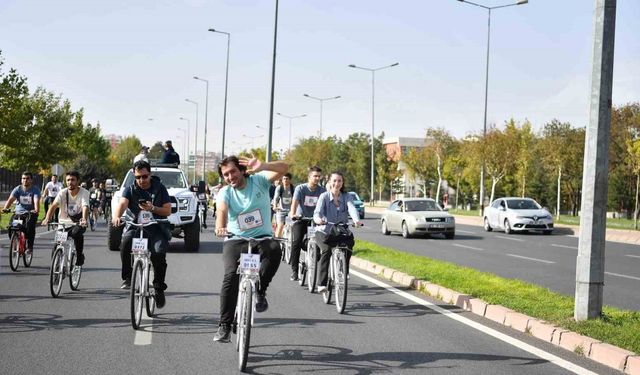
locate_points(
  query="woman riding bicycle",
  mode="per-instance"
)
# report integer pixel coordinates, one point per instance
(334, 206)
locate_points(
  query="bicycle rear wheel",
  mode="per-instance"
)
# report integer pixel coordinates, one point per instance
(76, 273)
(302, 270)
(14, 251)
(150, 299)
(326, 296)
(244, 326)
(340, 268)
(56, 273)
(313, 262)
(136, 294)
(107, 213)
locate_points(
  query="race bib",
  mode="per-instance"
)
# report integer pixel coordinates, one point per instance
(201, 196)
(53, 191)
(93, 195)
(25, 200)
(145, 217)
(310, 201)
(139, 245)
(72, 209)
(16, 222)
(250, 263)
(250, 220)
(61, 236)
(286, 200)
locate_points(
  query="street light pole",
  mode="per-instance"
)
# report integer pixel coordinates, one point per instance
(188, 146)
(321, 100)
(195, 153)
(486, 85)
(373, 96)
(206, 111)
(290, 118)
(226, 81)
(252, 137)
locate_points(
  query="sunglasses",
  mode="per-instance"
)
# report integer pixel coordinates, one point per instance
(142, 177)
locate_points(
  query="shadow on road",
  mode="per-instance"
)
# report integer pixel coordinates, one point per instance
(29, 322)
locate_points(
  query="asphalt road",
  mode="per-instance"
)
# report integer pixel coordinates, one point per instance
(384, 330)
(549, 261)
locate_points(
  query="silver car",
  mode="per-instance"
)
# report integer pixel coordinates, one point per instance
(417, 216)
(517, 214)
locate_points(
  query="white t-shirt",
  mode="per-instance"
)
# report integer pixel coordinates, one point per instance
(53, 188)
(74, 205)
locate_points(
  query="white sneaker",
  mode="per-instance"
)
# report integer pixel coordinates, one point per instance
(322, 289)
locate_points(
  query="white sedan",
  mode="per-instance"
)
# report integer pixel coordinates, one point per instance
(517, 214)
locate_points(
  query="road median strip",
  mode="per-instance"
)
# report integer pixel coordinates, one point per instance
(612, 340)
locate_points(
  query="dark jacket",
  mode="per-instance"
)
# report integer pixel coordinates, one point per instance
(170, 157)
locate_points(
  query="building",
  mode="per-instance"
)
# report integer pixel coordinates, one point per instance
(113, 139)
(195, 161)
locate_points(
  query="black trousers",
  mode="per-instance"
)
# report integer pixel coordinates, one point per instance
(47, 203)
(270, 254)
(158, 245)
(30, 226)
(325, 255)
(77, 233)
(298, 231)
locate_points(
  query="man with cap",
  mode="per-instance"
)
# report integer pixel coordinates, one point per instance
(170, 155)
(143, 155)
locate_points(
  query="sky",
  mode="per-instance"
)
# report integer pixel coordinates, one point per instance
(126, 62)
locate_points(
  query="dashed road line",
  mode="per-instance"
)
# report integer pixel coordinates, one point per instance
(467, 247)
(565, 246)
(143, 336)
(632, 256)
(623, 276)
(533, 259)
(465, 231)
(510, 238)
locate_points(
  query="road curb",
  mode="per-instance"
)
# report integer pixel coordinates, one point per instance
(605, 354)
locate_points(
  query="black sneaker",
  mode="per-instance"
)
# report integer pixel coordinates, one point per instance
(79, 259)
(160, 300)
(223, 334)
(294, 276)
(126, 284)
(261, 302)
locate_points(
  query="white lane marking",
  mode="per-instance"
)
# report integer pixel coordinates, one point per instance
(533, 259)
(565, 246)
(632, 256)
(143, 336)
(478, 326)
(625, 276)
(510, 238)
(465, 231)
(468, 247)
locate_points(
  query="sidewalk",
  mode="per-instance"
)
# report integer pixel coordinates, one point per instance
(615, 235)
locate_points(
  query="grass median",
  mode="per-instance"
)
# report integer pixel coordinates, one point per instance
(617, 327)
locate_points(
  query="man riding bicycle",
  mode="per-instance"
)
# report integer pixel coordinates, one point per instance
(282, 202)
(303, 204)
(334, 206)
(27, 198)
(51, 190)
(74, 204)
(244, 209)
(146, 194)
(96, 194)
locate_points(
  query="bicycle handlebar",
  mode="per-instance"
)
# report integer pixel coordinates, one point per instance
(259, 239)
(152, 222)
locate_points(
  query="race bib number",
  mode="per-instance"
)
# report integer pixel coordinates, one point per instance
(72, 209)
(311, 231)
(250, 263)
(250, 220)
(201, 196)
(310, 201)
(61, 236)
(145, 217)
(25, 199)
(286, 200)
(16, 222)
(139, 244)
(93, 195)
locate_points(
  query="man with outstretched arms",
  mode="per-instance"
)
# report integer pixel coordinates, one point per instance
(27, 198)
(73, 202)
(305, 198)
(147, 196)
(244, 209)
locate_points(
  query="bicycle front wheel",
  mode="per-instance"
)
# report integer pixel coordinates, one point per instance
(76, 273)
(56, 273)
(14, 251)
(340, 273)
(136, 294)
(313, 262)
(244, 326)
(150, 298)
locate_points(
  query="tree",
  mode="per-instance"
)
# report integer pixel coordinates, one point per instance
(421, 167)
(15, 114)
(386, 168)
(121, 157)
(89, 169)
(441, 145)
(526, 142)
(455, 166)
(499, 151)
(325, 153)
(157, 151)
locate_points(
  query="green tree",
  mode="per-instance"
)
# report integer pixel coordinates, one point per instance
(420, 164)
(325, 153)
(441, 145)
(386, 168)
(499, 150)
(15, 112)
(121, 157)
(157, 151)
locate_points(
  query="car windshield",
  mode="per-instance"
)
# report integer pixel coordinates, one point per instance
(355, 196)
(170, 179)
(522, 204)
(425, 205)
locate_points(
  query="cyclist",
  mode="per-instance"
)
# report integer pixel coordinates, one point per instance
(334, 206)
(282, 202)
(51, 189)
(74, 201)
(27, 198)
(244, 209)
(147, 193)
(103, 199)
(305, 197)
(96, 195)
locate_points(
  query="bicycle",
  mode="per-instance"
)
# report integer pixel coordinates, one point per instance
(18, 244)
(202, 212)
(63, 261)
(286, 245)
(249, 271)
(141, 278)
(338, 271)
(106, 211)
(308, 261)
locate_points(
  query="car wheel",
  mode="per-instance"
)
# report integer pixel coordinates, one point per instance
(385, 230)
(405, 230)
(114, 237)
(507, 227)
(450, 235)
(547, 232)
(487, 227)
(192, 236)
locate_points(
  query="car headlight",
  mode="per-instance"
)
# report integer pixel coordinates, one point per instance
(548, 217)
(183, 204)
(450, 219)
(520, 217)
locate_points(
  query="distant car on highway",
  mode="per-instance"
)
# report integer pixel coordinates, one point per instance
(358, 203)
(417, 216)
(517, 215)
